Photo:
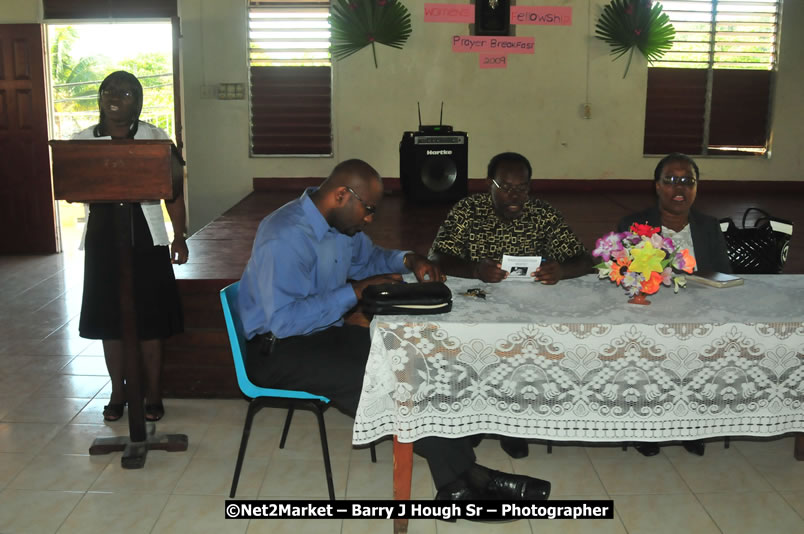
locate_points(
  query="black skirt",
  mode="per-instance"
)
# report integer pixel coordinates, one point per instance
(156, 295)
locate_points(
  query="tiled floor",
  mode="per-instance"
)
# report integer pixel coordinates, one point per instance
(53, 386)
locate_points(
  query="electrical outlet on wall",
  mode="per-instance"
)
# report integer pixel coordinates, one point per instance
(231, 91)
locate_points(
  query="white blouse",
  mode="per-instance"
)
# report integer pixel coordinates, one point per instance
(682, 239)
(152, 209)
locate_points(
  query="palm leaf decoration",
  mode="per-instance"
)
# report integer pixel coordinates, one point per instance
(356, 24)
(635, 24)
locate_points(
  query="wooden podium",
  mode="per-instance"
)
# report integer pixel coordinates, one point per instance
(123, 172)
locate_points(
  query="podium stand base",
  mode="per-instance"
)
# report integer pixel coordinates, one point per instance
(134, 452)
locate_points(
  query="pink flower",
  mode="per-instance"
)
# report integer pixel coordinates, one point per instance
(608, 244)
(667, 276)
(637, 31)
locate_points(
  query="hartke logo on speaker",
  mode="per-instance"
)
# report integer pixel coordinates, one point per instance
(439, 152)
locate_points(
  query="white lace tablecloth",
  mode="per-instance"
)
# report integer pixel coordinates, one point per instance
(575, 361)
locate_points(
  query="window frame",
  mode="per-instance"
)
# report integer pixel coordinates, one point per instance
(251, 85)
(712, 68)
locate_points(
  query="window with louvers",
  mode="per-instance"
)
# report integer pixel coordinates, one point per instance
(711, 93)
(290, 78)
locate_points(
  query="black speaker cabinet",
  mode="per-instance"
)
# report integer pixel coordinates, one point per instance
(434, 168)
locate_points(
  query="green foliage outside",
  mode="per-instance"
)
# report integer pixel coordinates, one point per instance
(75, 83)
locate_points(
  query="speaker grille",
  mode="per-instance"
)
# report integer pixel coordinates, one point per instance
(439, 173)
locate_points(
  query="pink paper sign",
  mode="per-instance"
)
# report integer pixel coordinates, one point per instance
(495, 45)
(493, 61)
(541, 15)
(449, 13)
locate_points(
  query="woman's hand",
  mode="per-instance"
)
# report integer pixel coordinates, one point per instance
(178, 251)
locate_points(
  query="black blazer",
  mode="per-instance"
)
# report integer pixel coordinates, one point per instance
(707, 238)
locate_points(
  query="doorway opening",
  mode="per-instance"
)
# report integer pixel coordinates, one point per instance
(80, 56)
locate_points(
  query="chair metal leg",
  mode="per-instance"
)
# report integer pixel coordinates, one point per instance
(253, 407)
(726, 442)
(287, 427)
(319, 413)
(549, 448)
(373, 454)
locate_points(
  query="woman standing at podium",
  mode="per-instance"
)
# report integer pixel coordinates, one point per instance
(156, 296)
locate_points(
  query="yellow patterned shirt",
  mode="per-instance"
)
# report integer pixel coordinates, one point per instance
(473, 231)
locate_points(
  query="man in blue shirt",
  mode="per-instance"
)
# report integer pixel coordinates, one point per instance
(309, 266)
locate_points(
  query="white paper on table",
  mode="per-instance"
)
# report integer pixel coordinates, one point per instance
(520, 267)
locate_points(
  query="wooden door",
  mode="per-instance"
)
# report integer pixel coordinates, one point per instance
(27, 220)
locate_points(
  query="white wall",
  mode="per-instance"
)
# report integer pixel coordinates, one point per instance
(20, 11)
(532, 107)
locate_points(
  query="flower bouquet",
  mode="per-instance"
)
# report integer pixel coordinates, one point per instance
(641, 260)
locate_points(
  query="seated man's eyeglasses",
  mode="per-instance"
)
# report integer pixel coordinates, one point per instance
(688, 181)
(370, 210)
(508, 188)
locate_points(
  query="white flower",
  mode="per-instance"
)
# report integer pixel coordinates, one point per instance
(399, 358)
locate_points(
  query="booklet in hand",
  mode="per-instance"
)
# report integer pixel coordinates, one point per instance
(520, 267)
(715, 279)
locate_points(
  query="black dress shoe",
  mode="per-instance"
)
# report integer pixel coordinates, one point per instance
(647, 449)
(696, 447)
(466, 493)
(515, 447)
(510, 487)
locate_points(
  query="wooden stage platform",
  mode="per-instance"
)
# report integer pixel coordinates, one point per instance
(198, 363)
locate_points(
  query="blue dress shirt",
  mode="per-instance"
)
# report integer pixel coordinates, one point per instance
(295, 282)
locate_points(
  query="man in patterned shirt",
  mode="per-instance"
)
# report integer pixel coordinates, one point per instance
(481, 228)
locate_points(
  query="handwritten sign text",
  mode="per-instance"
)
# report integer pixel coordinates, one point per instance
(449, 13)
(541, 15)
(493, 61)
(507, 45)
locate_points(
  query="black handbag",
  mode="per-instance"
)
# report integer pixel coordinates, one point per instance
(407, 299)
(761, 249)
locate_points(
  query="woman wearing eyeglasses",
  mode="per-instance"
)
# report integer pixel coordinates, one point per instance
(676, 181)
(159, 313)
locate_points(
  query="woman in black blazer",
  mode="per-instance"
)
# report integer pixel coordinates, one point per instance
(676, 181)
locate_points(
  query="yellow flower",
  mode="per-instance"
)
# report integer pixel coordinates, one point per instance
(647, 260)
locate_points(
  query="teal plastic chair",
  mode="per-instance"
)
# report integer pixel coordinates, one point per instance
(261, 397)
